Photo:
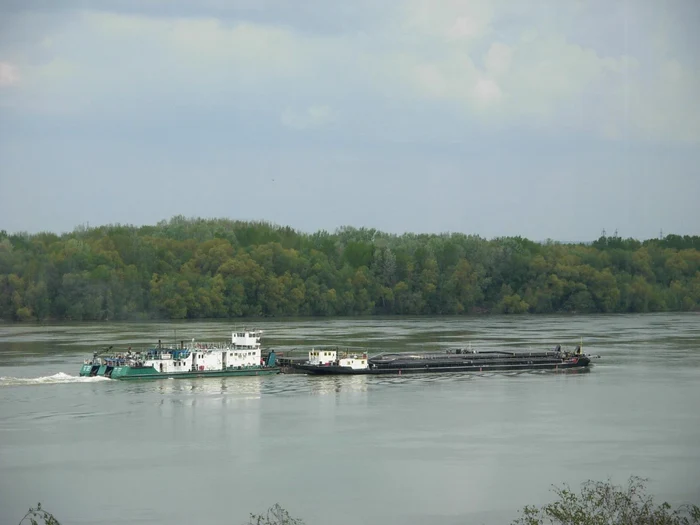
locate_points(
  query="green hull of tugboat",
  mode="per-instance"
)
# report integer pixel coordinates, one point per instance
(148, 372)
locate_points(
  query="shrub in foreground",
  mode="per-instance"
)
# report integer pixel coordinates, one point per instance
(39, 516)
(603, 503)
(275, 515)
(599, 503)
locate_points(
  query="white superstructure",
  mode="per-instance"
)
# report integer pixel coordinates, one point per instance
(356, 362)
(322, 357)
(329, 357)
(244, 350)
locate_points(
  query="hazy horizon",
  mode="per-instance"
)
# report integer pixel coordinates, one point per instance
(496, 118)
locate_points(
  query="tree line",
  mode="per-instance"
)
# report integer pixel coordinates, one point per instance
(218, 268)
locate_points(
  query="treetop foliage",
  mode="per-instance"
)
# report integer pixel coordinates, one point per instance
(599, 503)
(219, 268)
(38, 516)
(604, 503)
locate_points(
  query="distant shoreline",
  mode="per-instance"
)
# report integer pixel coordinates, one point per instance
(223, 269)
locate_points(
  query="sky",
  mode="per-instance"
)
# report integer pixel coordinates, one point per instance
(549, 119)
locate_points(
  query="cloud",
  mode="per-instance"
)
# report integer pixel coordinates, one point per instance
(9, 74)
(312, 117)
(490, 63)
(452, 20)
(498, 59)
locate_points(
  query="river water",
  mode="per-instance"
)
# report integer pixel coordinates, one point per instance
(439, 449)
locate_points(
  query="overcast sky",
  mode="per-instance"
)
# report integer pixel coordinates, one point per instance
(547, 119)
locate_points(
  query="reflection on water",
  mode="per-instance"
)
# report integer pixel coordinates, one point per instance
(246, 387)
(324, 385)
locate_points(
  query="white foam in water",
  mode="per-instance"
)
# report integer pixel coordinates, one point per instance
(55, 379)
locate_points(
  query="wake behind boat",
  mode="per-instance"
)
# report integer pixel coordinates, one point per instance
(241, 357)
(327, 362)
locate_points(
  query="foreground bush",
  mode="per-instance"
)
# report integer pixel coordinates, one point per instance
(599, 503)
(275, 515)
(602, 503)
(39, 516)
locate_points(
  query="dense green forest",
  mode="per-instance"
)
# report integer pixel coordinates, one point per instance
(196, 268)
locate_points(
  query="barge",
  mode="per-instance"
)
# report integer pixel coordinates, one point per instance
(241, 357)
(327, 362)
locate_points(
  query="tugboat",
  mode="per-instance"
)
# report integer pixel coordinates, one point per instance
(241, 357)
(327, 362)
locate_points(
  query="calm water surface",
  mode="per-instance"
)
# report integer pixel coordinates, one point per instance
(451, 449)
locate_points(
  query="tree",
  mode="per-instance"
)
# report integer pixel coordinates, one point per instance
(602, 503)
(203, 268)
(34, 515)
(275, 515)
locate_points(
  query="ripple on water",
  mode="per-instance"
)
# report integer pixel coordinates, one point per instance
(55, 379)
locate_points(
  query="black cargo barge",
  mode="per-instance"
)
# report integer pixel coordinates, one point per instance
(459, 360)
